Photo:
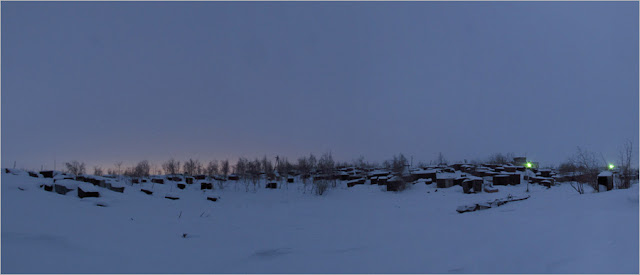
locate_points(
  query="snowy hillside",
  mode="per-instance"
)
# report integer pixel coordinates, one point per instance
(361, 229)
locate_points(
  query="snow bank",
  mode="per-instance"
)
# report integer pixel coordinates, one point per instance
(348, 230)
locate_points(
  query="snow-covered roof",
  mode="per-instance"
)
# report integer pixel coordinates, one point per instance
(422, 172)
(394, 178)
(68, 183)
(378, 172)
(446, 175)
(605, 174)
(87, 187)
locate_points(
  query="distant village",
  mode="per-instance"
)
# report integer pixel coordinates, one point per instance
(323, 174)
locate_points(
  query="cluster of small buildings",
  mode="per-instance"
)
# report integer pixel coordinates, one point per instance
(472, 178)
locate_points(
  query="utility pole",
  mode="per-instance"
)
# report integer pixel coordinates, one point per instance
(528, 166)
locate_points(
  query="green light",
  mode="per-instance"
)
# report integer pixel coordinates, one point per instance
(528, 164)
(611, 166)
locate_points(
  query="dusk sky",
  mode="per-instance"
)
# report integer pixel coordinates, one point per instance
(102, 82)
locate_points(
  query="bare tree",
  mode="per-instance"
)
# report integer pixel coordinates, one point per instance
(498, 158)
(212, 168)
(254, 169)
(267, 167)
(190, 167)
(118, 168)
(387, 164)
(625, 157)
(111, 172)
(304, 168)
(142, 169)
(241, 168)
(199, 168)
(171, 167)
(284, 168)
(441, 160)
(97, 171)
(359, 163)
(224, 168)
(588, 166)
(312, 162)
(326, 167)
(398, 164)
(569, 168)
(76, 168)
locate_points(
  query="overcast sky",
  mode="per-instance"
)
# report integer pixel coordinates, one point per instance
(124, 81)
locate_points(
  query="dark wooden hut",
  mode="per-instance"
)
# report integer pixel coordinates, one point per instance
(87, 194)
(395, 184)
(61, 189)
(606, 179)
(514, 179)
(501, 179)
(45, 174)
(272, 185)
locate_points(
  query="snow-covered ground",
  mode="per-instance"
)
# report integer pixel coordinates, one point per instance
(348, 230)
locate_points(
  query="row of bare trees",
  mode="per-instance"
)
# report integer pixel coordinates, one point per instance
(583, 165)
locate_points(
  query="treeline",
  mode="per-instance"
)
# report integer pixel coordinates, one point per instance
(583, 164)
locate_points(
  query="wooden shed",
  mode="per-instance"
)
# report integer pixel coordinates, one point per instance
(395, 184)
(444, 183)
(343, 175)
(459, 180)
(606, 178)
(501, 179)
(206, 185)
(382, 180)
(352, 183)
(45, 174)
(85, 191)
(272, 185)
(445, 180)
(514, 179)
(466, 186)
(425, 174)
